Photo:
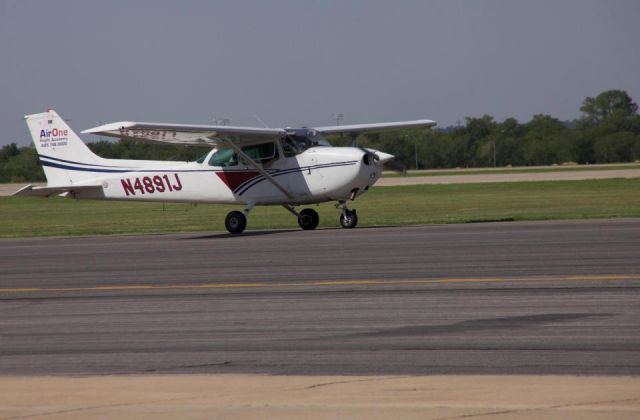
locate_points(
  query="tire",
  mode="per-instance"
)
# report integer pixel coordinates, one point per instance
(308, 219)
(235, 222)
(349, 219)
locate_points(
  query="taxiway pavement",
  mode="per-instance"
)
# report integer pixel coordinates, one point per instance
(497, 298)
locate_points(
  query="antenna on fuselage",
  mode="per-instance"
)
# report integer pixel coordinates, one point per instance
(354, 139)
(338, 116)
(260, 120)
(221, 121)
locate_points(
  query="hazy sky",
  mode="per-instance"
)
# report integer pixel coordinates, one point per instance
(300, 62)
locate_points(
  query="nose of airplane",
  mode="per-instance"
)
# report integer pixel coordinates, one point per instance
(384, 157)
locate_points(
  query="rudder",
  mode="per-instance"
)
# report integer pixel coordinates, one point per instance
(58, 146)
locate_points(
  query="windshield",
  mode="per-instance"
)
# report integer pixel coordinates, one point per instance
(295, 144)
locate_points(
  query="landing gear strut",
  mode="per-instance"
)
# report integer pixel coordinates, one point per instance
(348, 218)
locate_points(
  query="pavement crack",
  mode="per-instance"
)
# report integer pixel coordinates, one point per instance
(92, 407)
(8, 307)
(624, 400)
(353, 381)
(483, 324)
(194, 366)
(552, 407)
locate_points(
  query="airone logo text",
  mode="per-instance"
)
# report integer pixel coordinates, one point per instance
(54, 132)
(54, 137)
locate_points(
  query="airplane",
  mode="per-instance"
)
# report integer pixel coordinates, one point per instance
(248, 166)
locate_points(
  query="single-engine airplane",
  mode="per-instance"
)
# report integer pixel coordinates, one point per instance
(246, 165)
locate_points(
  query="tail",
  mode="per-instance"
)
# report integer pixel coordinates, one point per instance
(60, 150)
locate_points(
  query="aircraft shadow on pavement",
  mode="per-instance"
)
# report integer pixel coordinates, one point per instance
(273, 232)
(243, 234)
(513, 322)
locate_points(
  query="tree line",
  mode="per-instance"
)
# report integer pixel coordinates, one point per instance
(608, 131)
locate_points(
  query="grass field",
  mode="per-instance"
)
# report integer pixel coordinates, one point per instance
(416, 204)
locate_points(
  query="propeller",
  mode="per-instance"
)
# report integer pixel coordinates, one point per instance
(389, 161)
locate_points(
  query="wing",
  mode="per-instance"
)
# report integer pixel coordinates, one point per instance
(375, 127)
(187, 134)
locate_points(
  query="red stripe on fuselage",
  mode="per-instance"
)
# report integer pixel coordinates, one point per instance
(234, 179)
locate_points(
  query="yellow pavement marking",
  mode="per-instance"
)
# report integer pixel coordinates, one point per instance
(387, 282)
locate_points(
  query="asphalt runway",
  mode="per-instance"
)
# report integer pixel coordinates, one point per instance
(495, 298)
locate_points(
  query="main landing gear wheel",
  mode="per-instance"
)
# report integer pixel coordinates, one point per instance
(235, 222)
(308, 219)
(349, 219)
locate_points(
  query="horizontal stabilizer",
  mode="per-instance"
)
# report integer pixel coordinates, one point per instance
(35, 191)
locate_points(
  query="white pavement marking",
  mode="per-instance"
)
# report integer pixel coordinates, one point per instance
(511, 177)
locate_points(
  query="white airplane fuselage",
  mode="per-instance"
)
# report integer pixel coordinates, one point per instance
(318, 174)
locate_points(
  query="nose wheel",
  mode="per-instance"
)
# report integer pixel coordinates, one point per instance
(349, 219)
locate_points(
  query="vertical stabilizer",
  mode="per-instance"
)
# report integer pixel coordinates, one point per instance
(60, 150)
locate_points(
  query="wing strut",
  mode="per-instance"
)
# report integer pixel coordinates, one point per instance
(258, 168)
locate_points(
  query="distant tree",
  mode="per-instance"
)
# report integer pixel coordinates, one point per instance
(608, 104)
(22, 167)
(509, 142)
(469, 142)
(8, 152)
(623, 146)
(542, 125)
(511, 128)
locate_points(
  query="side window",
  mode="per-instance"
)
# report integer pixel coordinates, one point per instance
(224, 158)
(261, 152)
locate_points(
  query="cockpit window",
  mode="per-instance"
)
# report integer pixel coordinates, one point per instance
(202, 158)
(224, 158)
(260, 153)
